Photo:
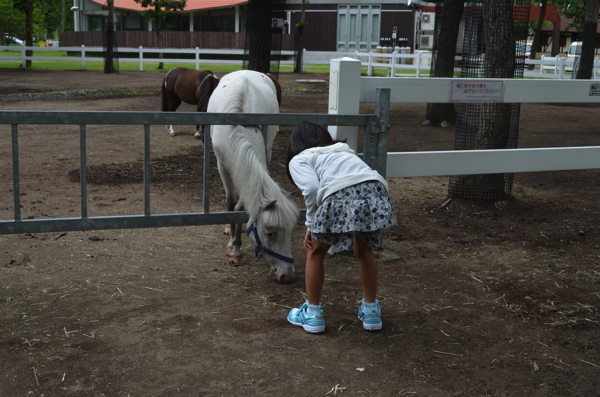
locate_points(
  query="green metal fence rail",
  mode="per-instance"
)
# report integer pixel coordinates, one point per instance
(375, 150)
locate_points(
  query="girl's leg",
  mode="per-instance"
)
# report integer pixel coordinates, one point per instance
(315, 271)
(367, 268)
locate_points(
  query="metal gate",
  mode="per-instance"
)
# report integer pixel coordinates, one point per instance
(375, 149)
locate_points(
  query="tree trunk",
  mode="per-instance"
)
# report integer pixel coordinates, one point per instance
(110, 38)
(300, 30)
(500, 62)
(586, 62)
(63, 15)
(538, 33)
(259, 48)
(29, 31)
(491, 125)
(158, 31)
(444, 61)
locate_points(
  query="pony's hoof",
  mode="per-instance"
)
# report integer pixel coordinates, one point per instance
(172, 133)
(236, 260)
(227, 230)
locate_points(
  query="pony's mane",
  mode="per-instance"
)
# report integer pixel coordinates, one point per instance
(254, 183)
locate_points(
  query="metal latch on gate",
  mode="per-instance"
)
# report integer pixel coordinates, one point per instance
(380, 129)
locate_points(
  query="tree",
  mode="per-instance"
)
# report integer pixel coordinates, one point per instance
(157, 10)
(53, 20)
(300, 29)
(538, 32)
(590, 24)
(27, 7)
(109, 66)
(11, 19)
(444, 60)
(63, 13)
(485, 126)
(259, 35)
(585, 16)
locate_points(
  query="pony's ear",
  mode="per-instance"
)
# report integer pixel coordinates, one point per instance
(267, 205)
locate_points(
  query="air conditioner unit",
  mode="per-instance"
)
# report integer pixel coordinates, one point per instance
(428, 21)
(276, 23)
(426, 42)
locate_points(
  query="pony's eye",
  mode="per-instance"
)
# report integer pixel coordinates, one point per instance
(270, 235)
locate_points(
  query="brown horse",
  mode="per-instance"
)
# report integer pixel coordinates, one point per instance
(190, 86)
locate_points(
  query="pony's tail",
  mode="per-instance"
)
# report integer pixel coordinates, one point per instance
(206, 87)
(165, 96)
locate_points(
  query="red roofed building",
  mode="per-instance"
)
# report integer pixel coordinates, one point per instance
(333, 25)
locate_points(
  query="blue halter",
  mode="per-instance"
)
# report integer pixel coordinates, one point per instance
(259, 247)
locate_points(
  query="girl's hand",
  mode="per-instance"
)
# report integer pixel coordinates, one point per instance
(308, 241)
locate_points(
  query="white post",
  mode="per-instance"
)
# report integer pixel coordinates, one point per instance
(419, 64)
(191, 21)
(344, 92)
(542, 63)
(370, 64)
(304, 60)
(82, 57)
(23, 64)
(197, 58)
(141, 59)
(561, 65)
(393, 74)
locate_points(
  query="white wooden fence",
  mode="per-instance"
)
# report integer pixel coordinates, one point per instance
(395, 64)
(136, 55)
(347, 89)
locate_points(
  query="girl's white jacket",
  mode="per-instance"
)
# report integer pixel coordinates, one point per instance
(322, 171)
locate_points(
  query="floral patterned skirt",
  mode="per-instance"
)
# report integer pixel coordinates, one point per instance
(363, 209)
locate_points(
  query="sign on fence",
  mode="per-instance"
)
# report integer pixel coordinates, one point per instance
(476, 91)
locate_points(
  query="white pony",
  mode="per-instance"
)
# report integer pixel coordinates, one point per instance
(243, 166)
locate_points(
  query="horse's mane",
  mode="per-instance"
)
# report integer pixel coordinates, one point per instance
(257, 187)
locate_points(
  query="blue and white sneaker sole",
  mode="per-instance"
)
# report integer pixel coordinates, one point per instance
(372, 327)
(306, 327)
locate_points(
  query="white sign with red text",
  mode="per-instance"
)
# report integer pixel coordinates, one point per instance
(477, 91)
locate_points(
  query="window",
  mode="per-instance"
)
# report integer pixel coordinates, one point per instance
(358, 27)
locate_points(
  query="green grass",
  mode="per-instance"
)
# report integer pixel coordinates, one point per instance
(134, 66)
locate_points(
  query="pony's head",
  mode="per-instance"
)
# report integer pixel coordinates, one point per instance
(271, 231)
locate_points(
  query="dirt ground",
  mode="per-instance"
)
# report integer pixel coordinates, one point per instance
(477, 299)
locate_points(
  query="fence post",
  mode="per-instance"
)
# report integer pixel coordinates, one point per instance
(344, 91)
(376, 135)
(393, 72)
(419, 64)
(23, 62)
(561, 65)
(197, 58)
(370, 64)
(82, 57)
(304, 60)
(141, 51)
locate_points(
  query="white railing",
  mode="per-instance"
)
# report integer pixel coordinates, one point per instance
(395, 63)
(347, 89)
(136, 55)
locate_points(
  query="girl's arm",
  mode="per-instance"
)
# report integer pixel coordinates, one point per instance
(306, 179)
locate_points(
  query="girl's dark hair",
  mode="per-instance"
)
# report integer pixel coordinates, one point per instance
(305, 136)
